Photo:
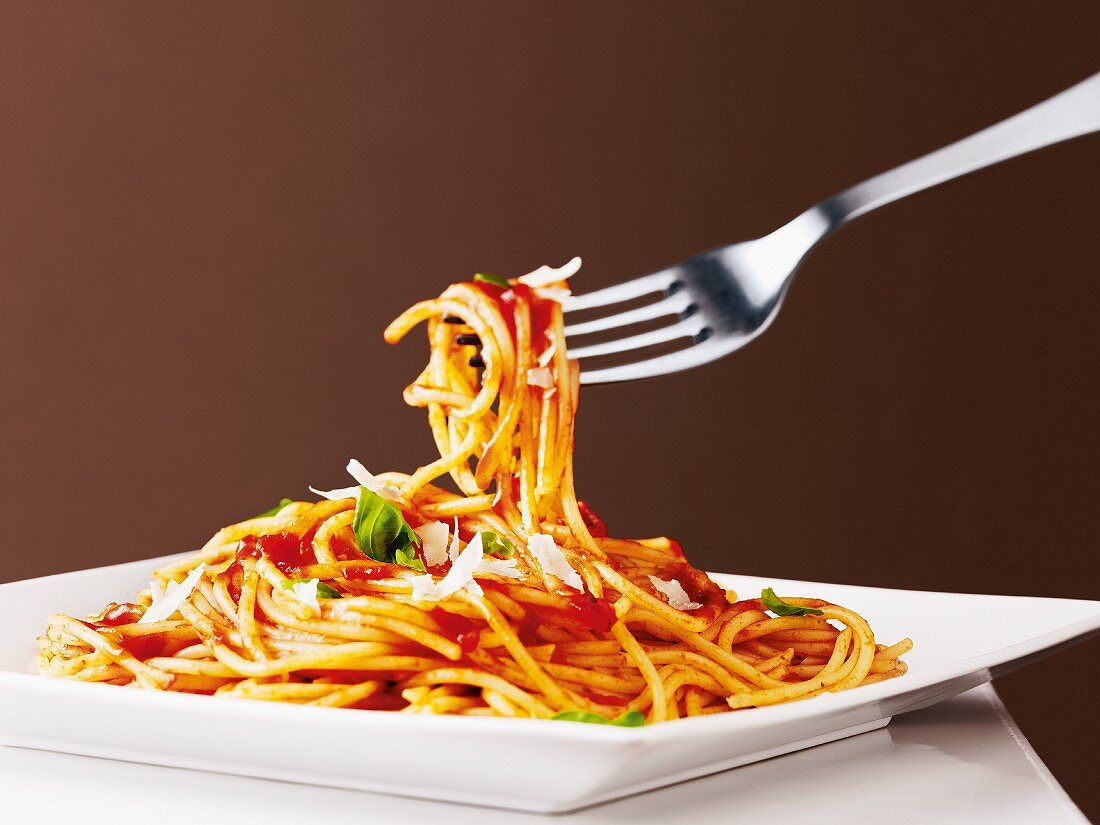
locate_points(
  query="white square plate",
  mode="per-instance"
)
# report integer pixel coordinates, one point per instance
(961, 641)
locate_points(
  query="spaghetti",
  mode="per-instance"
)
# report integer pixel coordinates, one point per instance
(506, 598)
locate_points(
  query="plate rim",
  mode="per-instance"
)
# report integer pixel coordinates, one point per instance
(821, 705)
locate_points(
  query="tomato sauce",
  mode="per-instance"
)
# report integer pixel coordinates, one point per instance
(383, 700)
(464, 632)
(605, 699)
(592, 521)
(143, 647)
(527, 628)
(343, 549)
(287, 551)
(541, 310)
(583, 611)
(116, 614)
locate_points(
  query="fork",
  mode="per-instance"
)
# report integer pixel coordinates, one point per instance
(718, 301)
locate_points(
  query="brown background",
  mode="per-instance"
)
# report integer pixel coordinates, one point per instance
(208, 212)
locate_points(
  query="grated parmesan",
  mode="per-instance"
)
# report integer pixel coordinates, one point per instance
(547, 275)
(540, 377)
(674, 591)
(461, 576)
(306, 593)
(454, 548)
(364, 478)
(547, 355)
(553, 560)
(165, 606)
(554, 293)
(506, 568)
(434, 538)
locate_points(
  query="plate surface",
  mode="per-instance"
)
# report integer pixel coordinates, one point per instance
(961, 641)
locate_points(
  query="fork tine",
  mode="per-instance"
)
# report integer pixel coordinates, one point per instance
(656, 282)
(687, 328)
(684, 359)
(675, 304)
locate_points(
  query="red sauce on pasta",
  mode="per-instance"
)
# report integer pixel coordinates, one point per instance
(606, 699)
(592, 521)
(116, 614)
(343, 549)
(583, 611)
(465, 632)
(287, 551)
(143, 647)
(541, 310)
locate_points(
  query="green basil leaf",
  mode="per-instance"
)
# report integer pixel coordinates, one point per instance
(380, 528)
(495, 280)
(780, 608)
(495, 545)
(324, 591)
(630, 719)
(407, 557)
(283, 502)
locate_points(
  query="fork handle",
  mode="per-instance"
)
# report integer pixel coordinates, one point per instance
(1074, 112)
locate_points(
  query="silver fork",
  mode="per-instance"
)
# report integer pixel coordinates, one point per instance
(720, 300)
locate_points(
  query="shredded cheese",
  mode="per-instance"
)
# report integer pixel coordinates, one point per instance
(364, 478)
(554, 293)
(455, 546)
(434, 538)
(547, 355)
(674, 591)
(306, 593)
(337, 494)
(506, 568)
(461, 576)
(165, 606)
(553, 560)
(540, 377)
(547, 275)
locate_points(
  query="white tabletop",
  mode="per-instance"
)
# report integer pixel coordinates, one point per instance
(961, 761)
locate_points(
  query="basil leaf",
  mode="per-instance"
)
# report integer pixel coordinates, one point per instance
(380, 528)
(495, 280)
(780, 608)
(630, 719)
(324, 591)
(407, 557)
(283, 502)
(579, 716)
(495, 545)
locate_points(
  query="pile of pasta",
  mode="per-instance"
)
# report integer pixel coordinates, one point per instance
(501, 596)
